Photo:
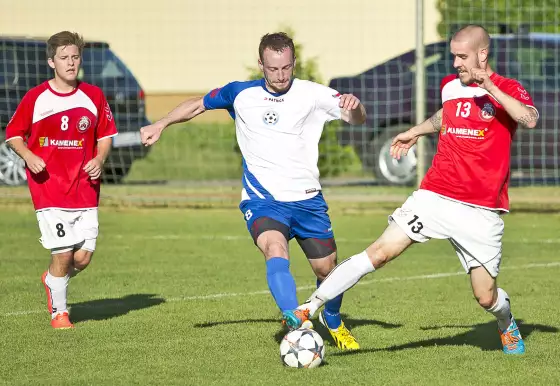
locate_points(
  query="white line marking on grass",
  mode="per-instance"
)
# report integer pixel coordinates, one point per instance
(338, 239)
(309, 287)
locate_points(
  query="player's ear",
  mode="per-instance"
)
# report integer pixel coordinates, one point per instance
(51, 63)
(483, 55)
(261, 66)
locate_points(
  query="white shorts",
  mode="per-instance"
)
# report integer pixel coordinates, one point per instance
(64, 230)
(475, 232)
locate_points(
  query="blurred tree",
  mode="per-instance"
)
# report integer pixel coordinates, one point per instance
(540, 15)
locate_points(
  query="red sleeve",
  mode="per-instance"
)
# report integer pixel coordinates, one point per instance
(20, 123)
(514, 89)
(105, 122)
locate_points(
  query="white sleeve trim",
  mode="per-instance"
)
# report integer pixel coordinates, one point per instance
(107, 136)
(537, 111)
(9, 139)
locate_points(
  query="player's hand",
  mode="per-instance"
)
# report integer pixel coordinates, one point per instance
(402, 143)
(150, 134)
(482, 78)
(34, 163)
(94, 168)
(349, 102)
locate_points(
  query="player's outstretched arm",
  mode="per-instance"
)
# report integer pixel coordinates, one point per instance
(430, 125)
(182, 113)
(33, 162)
(404, 141)
(352, 110)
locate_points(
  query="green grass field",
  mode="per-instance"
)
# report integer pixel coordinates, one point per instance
(179, 296)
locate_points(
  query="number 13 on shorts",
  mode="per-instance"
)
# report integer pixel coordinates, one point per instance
(410, 223)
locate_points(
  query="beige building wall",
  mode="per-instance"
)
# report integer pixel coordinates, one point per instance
(178, 47)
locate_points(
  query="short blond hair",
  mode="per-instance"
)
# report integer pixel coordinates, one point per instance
(63, 39)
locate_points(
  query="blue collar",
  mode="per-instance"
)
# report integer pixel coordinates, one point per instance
(276, 94)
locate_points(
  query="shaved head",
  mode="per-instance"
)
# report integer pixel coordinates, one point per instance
(470, 47)
(474, 34)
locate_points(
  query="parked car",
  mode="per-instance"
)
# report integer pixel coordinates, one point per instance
(23, 65)
(388, 92)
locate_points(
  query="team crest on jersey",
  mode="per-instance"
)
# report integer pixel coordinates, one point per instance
(83, 124)
(487, 112)
(270, 117)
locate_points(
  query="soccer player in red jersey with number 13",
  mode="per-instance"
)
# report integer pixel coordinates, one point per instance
(466, 188)
(62, 129)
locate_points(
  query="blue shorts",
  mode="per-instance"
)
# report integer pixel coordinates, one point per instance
(305, 219)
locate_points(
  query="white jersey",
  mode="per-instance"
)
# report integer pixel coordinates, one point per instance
(278, 135)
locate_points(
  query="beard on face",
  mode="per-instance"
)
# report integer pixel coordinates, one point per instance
(276, 86)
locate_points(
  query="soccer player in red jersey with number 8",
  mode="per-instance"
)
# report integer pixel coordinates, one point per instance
(466, 188)
(62, 129)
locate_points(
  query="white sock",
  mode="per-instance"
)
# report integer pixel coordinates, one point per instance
(343, 277)
(501, 310)
(58, 286)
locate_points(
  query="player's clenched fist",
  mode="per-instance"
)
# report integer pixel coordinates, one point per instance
(35, 163)
(349, 102)
(482, 78)
(402, 143)
(94, 168)
(150, 134)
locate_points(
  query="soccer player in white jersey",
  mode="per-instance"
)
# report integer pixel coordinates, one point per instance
(62, 129)
(465, 190)
(279, 120)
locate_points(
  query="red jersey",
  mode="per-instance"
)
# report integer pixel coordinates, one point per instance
(63, 129)
(472, 162)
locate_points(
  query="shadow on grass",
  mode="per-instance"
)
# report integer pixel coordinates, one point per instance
(484, 336)
(349, 322)
(102, 309)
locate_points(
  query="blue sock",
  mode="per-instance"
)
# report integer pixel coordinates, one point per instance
(281, 283)
(332, 311)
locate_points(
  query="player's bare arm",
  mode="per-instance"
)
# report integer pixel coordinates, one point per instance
(524, 115)
(353, 111)
(404, 141)
(33, 162)
(184, 112)
(95, 166)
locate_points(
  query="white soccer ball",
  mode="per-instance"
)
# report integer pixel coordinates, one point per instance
(302, 348)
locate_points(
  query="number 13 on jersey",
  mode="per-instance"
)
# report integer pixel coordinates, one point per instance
(463, 109)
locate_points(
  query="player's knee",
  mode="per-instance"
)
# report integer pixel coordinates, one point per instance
(275, 248)
(82, 259)
(325, 267)
(379, 254)
(485, 299)
(389, 246)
